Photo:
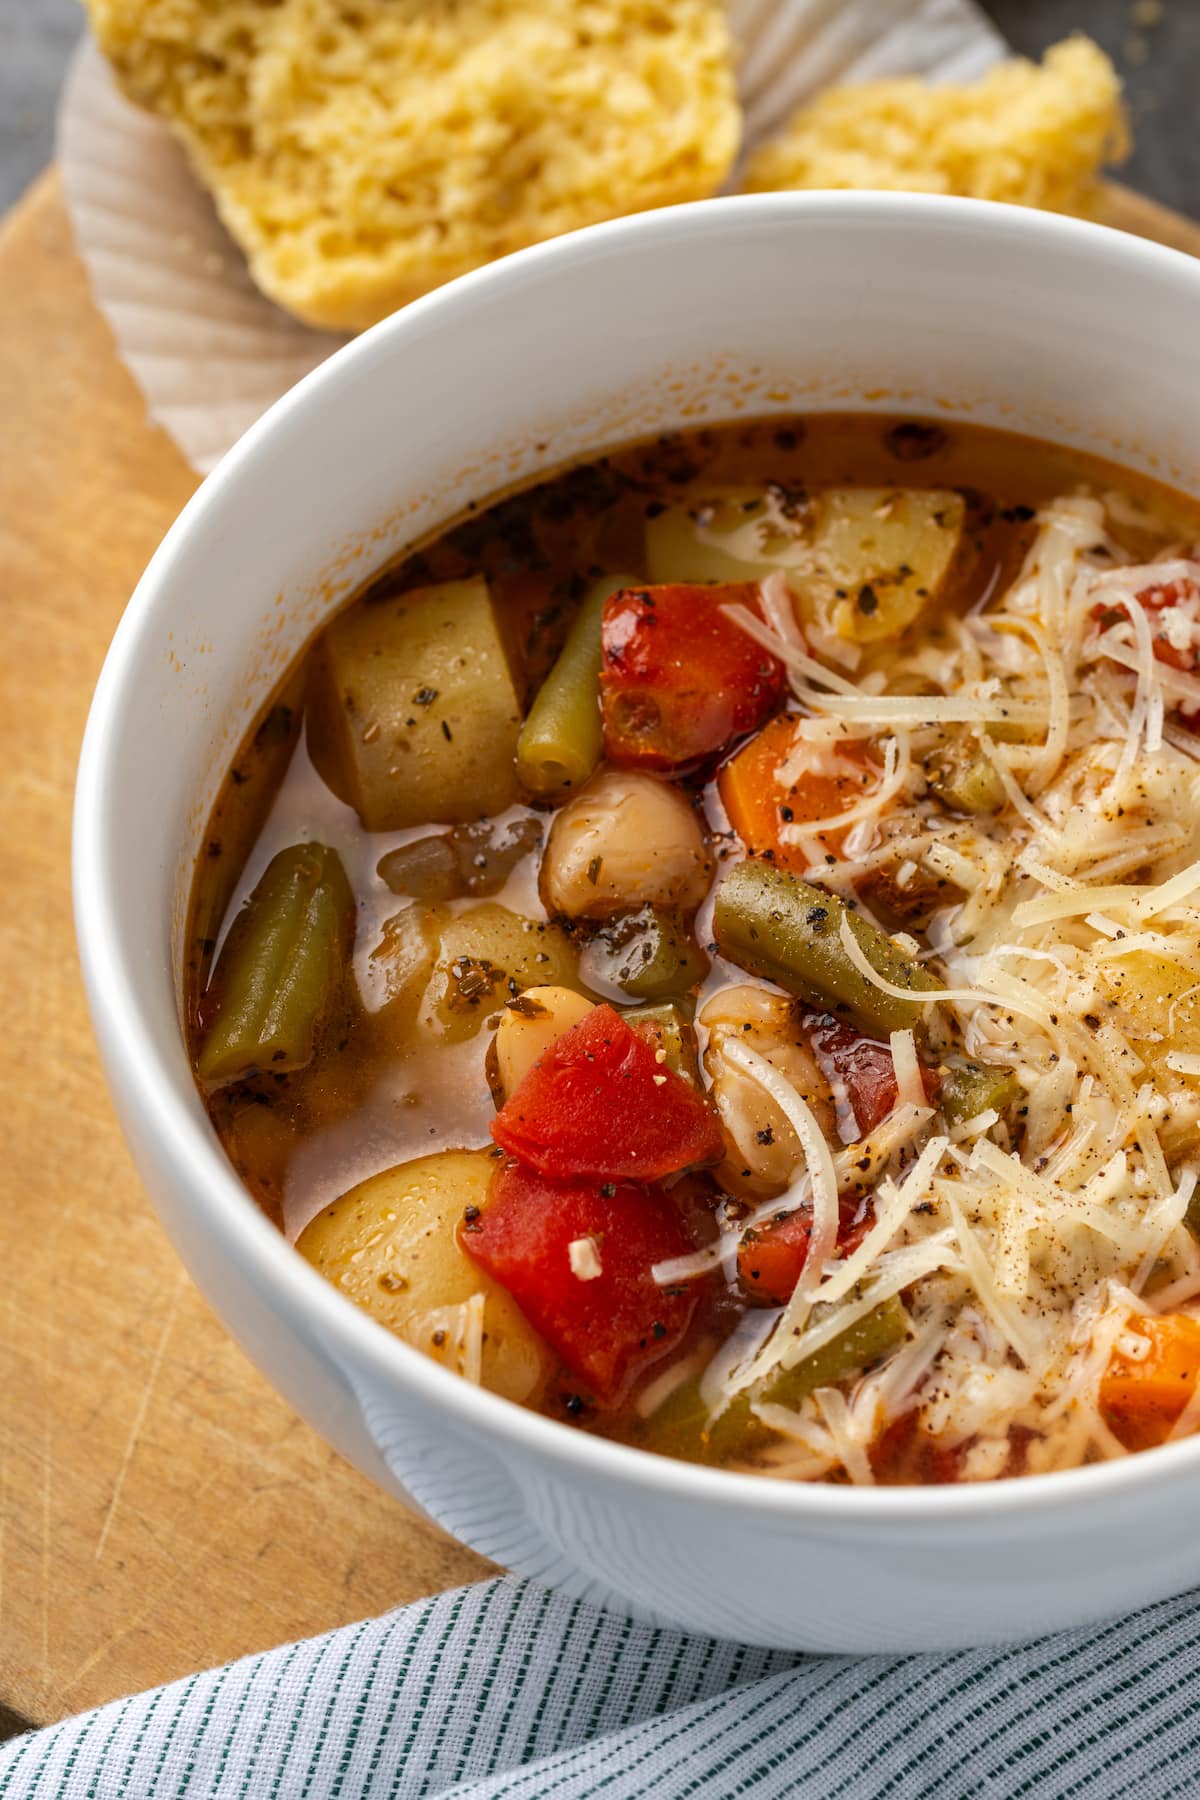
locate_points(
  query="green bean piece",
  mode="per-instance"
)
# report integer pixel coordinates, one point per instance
(777, 926)
(645, 955)
(281, 969)
(427, 869)
(400, 964)
(561, 740)
(966, 781)
(978, 1088)
(861, 1345)
(671, 1031)
(680, 1427)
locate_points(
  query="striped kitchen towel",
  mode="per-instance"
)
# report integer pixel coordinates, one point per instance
(504, 1689)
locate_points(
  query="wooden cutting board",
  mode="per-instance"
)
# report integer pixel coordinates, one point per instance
(160, 1508)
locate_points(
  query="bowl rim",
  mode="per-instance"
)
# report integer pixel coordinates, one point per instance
(214, 1194)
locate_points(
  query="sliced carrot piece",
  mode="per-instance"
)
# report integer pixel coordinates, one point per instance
(1142, 1399)
(760, 803)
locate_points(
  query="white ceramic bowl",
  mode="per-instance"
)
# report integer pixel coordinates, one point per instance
(745, 306)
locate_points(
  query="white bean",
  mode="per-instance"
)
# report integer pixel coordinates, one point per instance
(529, 1025)
(624, 841)
(762, 1152)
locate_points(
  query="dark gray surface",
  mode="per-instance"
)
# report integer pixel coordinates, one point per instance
(1160, 63)
(36, 39)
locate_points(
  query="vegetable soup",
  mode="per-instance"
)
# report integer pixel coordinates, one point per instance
(708, 947)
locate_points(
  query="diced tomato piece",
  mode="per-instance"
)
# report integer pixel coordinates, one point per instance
(1173, 614)
(1173, 611)
(863, 1066)
(771, 1257)
(606, 1326)
(895, 1452)
(679, 680)
(1167, 605)
(904, 1455)
(761, 803)
(598, 1102)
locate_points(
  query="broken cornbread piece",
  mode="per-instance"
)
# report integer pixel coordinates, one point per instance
(361, 156)
(1032, 135)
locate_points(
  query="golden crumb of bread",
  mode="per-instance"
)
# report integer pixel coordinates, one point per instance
(1033, 135)
(363, 151)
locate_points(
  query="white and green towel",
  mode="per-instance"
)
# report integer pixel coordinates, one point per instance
(507, 1690)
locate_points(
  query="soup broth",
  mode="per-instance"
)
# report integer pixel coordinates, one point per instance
(708, 946)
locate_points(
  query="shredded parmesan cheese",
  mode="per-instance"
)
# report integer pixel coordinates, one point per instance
(584, 1257)
(779, 610)
(792, 655)
(869, 709)
(910, 1089)
(851, 1450)
(894, 1206)
(1067, 944)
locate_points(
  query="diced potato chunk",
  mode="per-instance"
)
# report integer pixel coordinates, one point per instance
(395, 974)
(528, 1026)
(391, 1245)
(412, 712)
(882, 555)
(762, 1150)
(484, 957)
(862, 561)
(1159, 1008)
(624, 841)
(399, 966)
(730, 534)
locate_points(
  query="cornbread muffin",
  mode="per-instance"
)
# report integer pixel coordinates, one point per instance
(1037, 136)
(361, 153)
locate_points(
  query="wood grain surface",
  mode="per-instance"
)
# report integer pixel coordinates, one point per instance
(160, 1508)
